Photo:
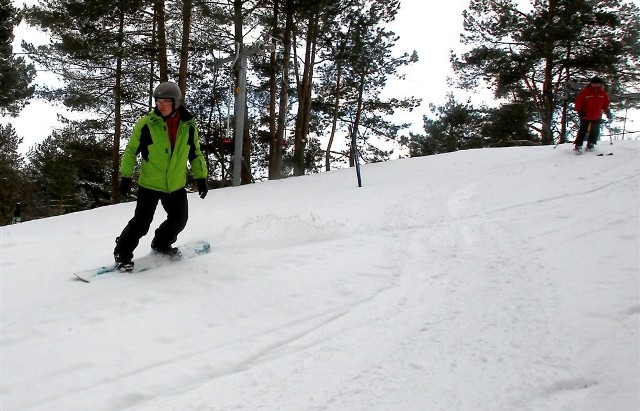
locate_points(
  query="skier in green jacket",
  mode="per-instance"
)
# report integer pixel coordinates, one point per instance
(166, 140)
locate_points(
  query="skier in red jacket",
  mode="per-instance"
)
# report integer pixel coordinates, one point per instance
(590, 103)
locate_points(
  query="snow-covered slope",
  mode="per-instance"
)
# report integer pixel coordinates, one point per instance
(496, 279)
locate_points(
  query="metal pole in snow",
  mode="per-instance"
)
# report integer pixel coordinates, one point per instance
(356, 157)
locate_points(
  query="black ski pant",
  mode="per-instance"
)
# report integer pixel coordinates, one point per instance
(176, 206)
(590, 127)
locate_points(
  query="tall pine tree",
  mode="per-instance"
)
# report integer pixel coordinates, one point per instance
(16, 75)
(529, 55)
(359, 62)
(11, 173)
(100, 50)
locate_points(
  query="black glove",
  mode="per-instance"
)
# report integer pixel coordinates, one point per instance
(125, 186)
(581, 114)
(203, 188)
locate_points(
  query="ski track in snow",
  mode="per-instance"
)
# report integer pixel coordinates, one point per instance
(443, 294)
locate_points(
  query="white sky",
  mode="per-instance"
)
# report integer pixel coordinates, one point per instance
(468, 281)
(432, 33)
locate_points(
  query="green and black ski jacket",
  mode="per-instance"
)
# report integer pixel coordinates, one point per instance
(161, 168)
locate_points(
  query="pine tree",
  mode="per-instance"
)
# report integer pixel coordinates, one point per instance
(359, 63)
(456, 127)
(528, 56)
(99, 50)
(16, 75)
(71, 172)
(507, 125)
(11, 173)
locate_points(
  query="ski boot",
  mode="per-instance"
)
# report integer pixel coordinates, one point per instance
(172, 252)
(123, 263)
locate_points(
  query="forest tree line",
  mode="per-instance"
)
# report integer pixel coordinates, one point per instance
(321, 77)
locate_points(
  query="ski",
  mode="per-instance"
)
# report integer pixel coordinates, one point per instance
(148, 262)
(579, 152)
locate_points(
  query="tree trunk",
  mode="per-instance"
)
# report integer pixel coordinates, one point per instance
(356, 119)
(304, 100)
(117, 116)
(565, 103)
(117, 133)
(546, 115)
(274, 173)
(336, 106)
(245, 176)
(184, 49)
(162, 41)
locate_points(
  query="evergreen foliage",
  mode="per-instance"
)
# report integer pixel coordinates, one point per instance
(69, 172)
(528, 56)
(100, 50)
(456, 127)
(11, 173)
(16, 75)
(359, 62)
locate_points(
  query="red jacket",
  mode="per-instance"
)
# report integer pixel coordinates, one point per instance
(592, 102)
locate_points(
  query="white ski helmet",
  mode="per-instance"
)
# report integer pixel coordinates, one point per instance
(168, 90)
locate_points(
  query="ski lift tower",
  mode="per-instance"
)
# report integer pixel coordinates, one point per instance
(240, 61)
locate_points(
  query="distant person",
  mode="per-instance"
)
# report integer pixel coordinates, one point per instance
(166, 140)
(590, 103)
(16, 214)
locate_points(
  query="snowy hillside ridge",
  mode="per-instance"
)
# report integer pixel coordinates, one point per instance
(495, 279)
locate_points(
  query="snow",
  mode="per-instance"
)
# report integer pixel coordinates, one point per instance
(494, 279)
